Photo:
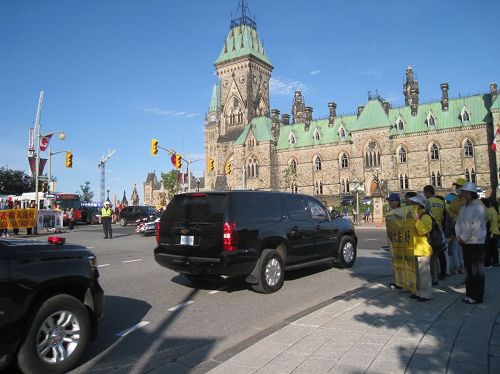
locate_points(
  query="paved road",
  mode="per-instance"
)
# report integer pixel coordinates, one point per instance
(154, 318)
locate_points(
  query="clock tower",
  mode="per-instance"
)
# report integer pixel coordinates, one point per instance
(244, 71)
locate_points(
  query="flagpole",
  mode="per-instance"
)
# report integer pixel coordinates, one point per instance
(37, 146)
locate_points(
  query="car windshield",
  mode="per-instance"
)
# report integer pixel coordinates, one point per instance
(196, 208)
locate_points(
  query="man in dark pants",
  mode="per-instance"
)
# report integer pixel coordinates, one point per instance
(106, 216)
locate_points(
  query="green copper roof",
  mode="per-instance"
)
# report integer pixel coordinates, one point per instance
(496, 103)
(261, 129)
(215, 100)
(372, 116)
(242, 41)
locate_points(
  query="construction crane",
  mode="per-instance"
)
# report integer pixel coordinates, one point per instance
(101, 166)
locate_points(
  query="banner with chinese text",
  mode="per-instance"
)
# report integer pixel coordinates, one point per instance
(17, 218)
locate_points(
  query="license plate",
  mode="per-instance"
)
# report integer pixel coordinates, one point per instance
(187, 239)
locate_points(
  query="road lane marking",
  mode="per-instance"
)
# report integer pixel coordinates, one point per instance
(140, 259)
(367, 240)
(213, 292)
(133, 328)
(103, 265)
(181, 305)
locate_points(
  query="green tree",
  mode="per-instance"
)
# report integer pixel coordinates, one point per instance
(289, 178)
(170, 183)
(87, 193)
(15, 182)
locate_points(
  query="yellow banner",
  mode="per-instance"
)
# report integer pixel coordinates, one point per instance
(400, 225)
(17, 218)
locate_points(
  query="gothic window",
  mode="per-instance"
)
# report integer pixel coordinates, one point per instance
(431, 120)
(407, 185)
(240, 116)
(295, 189)
(438, 179)
(342, 133)
(347, 185)
(468, 149)
(317, 163)
(467, 175)
(317, 136)
(402, 155)
(321, 188)
(473, 176)
(378, 158)
(292, 139)
(465, 114)
(293, 166)
(371, 161)
(252, 167)
(344, 161)
(366, 159)
(403, 181)
(433, 179)
(400, 125)
(236, 103)
(342, 185)
(434, 152)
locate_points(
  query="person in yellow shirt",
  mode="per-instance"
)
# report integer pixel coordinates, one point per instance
(422, 248)
(454, 247)
(492, 234)
(436, 206)
(106, 216)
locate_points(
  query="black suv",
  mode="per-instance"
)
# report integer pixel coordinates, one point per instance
(255, 234)
(132, 213)
(50, 304)
(347, 200)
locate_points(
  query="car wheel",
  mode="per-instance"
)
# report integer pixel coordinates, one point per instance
(347, 252)
(57, 337)
(271, 272)
(123, 222)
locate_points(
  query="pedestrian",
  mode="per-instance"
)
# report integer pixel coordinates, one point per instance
(16, 206)
(394, 202)
(422, 249)
(367, 214)
(492, 233)
(106, 217)
(470, 232)
(4, 206)
(71, 222)
(409, 195)
(454, 247)
(436, 207)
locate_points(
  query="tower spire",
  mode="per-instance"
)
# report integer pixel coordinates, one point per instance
(244, 18)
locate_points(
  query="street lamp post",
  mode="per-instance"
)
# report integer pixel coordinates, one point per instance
(50, 165)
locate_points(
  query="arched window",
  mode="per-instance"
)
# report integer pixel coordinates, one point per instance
(433, 179)
(401, 125)
(342, 133)
(317, 136)
(321, 188)
(431, 121)
(240, 116)
(465, 114)
(438, 176)
(344, 161)
(407, 184)
(252, 167)
(401, 182)
(434, 152)
(468, 149)
(366, 160)
(467, 175)
(317, 163)
(293, 166)
(295, 189)
(402, 155)
(292, 139)
(378, 158)
(473, 176)
(347, 187)
(371, 161)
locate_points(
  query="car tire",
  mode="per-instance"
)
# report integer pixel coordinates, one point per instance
(123, 222)
(347, 252)
(65, 321)
(271, 272)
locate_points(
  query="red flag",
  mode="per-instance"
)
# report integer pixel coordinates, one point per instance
(44, 142)
(493, 147)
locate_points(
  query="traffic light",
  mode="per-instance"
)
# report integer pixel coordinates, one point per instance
(176, 160)
(69, 159)
(211, 166)
(228, 168)
(154, 147)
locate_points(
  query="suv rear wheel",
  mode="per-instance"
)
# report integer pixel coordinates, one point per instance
(57, 337)
(271, 272)
(347, 252)
(123, 222)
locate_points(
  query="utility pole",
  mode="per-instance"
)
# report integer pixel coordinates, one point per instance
(101, 166)
(37, 144)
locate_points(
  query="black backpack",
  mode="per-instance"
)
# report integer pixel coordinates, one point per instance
(437, 239)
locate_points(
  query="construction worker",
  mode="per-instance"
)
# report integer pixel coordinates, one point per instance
(106, 217)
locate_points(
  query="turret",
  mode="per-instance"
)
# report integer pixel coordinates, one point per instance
(444, 97)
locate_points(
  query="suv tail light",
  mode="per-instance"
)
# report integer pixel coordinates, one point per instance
(157, 230)
(56, 240)
(230, 237)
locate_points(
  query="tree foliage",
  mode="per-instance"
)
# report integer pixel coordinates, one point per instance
(288, 178)
(15, 182)
(87, 193)
(170, 183)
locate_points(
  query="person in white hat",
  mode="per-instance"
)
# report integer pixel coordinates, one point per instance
(422, 249)
(470, 230)
(106, 216)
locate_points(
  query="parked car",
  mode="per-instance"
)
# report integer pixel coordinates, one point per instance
(252, 234)
(347, 200)
(366, 200)
(51, 304)
(130, 214)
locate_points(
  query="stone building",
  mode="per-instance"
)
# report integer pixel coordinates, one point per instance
(247, 145)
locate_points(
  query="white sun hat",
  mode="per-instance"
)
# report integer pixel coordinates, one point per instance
(469, 186)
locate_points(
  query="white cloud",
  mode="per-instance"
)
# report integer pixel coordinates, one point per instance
(315, 72)
(169, 113)
(285, 87)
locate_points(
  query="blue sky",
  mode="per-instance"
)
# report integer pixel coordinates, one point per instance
(117, 73)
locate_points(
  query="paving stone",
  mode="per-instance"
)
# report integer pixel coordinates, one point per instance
(361, 355)
(258, 354)
(346, 369)
(309, 344)
(314, 365)
(227, 368)
(286, 362)
(289, 334)
(384, 366)
(465, 368)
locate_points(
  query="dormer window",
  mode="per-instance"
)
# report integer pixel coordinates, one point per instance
(400, 124)
(317, 163)
(465, 114)
(292, 139)
(341, 133)
(431, 120)
(316, 135)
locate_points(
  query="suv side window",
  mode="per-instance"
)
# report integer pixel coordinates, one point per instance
(297, 208)
(257, 207)
(317, 211)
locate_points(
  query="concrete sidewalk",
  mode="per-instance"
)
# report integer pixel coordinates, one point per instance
(379, 330)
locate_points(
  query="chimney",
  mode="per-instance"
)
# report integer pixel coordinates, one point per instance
(275, 115)
(444, 97)
(386, 107)
(493, 91)
(308, 114)
(332, 109)
(360, 109)
(285, 119)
